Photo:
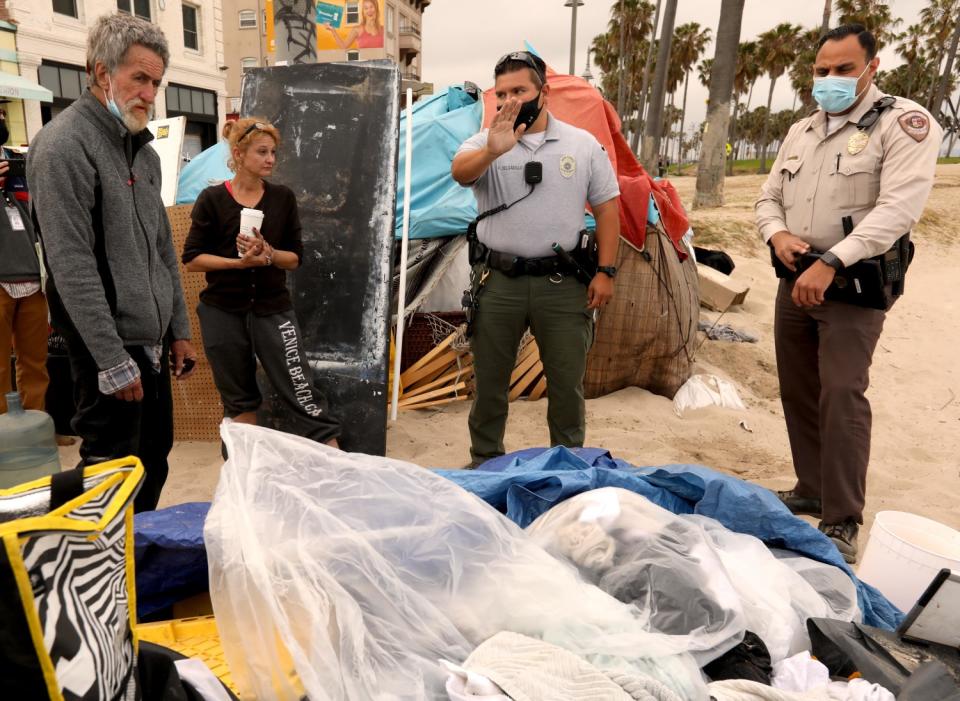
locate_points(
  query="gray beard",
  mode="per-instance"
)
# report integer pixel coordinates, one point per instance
(132, 122)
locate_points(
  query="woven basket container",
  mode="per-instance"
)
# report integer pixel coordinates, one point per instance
(646, 337)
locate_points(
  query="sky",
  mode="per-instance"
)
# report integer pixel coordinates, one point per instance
(462, 39)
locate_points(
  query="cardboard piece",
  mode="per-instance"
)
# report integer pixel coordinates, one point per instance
(168, 143)
(719, 292)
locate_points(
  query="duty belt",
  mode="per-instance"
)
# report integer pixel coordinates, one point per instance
(514, 266)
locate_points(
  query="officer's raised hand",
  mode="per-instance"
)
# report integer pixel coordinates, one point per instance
(810, 288)
(788, 248)
(502, 136)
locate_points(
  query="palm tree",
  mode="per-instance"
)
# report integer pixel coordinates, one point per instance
(709, 191)
(748, 72)
(629, 22)
(825, 24)
(654, 122)
(777, 52)
(950, 20)
(801, 71)
(645, 83)
(872, 14)
(911, 50)
(690, 41)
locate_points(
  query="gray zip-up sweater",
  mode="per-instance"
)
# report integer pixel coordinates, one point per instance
(91, 180)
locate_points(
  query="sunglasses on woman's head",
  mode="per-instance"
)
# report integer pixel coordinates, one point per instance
(259, 126)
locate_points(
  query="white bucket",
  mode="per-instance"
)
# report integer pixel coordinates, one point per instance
(904, 553)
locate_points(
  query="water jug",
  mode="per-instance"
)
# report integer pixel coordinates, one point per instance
(28, 445)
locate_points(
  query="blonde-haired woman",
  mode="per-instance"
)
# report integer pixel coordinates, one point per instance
(245, 311)
(369, 35)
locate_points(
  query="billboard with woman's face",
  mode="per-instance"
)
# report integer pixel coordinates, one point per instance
(350, 26)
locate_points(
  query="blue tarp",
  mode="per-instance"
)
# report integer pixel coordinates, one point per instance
(207, 168)
(526, 484)
(170, 556)
(439, 206)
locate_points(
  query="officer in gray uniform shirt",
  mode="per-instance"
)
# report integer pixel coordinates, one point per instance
(524, 283)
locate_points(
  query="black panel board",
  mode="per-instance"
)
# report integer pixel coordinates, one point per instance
(339, 124)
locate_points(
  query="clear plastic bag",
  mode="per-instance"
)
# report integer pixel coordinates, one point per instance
(688, 576)
(345, 576)
(777, 600)
(832, 584)
(661, 563)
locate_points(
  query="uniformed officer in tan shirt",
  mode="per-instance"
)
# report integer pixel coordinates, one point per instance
(827, 169)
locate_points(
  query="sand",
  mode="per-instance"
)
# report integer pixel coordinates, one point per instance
(915, 389)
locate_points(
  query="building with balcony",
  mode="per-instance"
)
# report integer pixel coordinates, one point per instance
(51, 44)
(247, 29)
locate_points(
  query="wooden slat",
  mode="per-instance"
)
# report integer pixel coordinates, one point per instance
(435, 393)
(430, 371)
(465, 373)
(539, 389)
(437, 402)
(527, 361)
(428, 358)
(524, 382)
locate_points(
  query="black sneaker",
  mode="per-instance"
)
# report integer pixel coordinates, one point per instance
(800, 506)
(844, 536)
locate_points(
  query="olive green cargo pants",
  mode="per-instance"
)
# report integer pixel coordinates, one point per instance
(555, 310)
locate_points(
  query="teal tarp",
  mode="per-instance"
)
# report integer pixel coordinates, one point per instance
(439, 206)
(208, 168)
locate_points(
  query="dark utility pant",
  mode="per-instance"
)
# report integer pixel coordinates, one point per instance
(111, 428)
(555, 310)
(234, 342)
(823, 361)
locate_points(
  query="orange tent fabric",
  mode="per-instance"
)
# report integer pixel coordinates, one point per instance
(576, 102)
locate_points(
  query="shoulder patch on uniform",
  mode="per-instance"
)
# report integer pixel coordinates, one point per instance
(916, 124)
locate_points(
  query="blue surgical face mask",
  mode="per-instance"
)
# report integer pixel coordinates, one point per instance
(836, 94)
(112, 104)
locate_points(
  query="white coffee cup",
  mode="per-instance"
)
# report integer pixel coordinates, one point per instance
(250, 219)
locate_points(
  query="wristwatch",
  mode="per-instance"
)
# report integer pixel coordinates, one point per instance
(609, 270)
(830, 259)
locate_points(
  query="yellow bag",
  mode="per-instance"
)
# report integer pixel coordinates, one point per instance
(67, 587)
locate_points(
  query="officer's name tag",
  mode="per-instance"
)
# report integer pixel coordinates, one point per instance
(16, 221)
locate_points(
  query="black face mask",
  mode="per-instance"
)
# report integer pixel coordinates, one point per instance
(529, 112)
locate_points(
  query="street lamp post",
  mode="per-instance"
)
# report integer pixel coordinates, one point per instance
(587, 75)
(573, 33)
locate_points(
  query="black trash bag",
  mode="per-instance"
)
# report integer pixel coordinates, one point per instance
(158, 679)
(718, 260)
(878, 656)
(749, 660)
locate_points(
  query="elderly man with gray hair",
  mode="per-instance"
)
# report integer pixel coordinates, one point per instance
(114, 289)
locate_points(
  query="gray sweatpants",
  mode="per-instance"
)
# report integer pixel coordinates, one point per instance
(235, 342)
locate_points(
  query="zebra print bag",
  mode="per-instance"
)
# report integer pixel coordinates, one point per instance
(67, 598)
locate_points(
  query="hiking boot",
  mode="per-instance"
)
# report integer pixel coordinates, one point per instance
(844, 536)
(474, 463)
(800, 506)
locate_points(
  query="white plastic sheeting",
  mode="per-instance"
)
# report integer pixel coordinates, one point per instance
(345, 576)
(701, 391)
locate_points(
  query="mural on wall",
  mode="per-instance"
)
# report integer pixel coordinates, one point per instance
(292, 34)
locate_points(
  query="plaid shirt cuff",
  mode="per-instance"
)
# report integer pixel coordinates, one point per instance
(19, 290)
(119, 376)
